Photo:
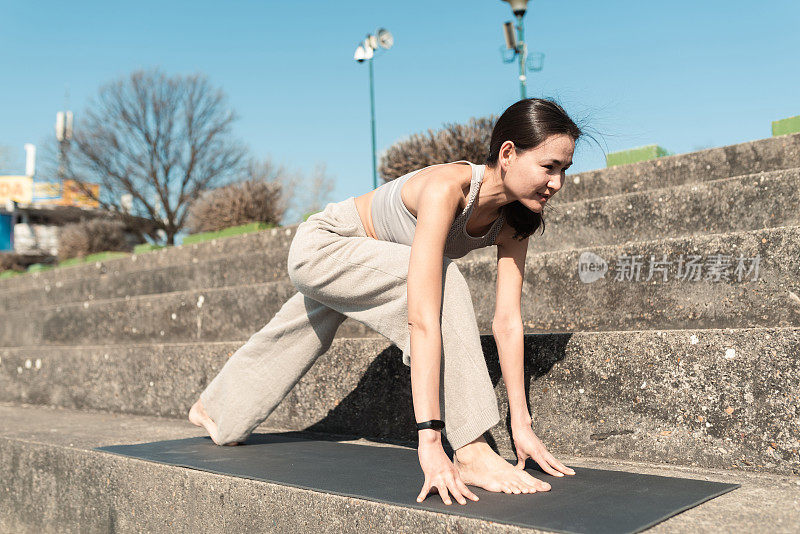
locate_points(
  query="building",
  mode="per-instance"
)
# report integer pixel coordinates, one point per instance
(32, 212)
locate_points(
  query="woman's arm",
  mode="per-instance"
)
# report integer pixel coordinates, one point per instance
(436, 207)
(510, 348)
(507, 322)
(507, 330)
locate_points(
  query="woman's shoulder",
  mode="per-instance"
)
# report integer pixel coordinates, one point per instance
(453, 176)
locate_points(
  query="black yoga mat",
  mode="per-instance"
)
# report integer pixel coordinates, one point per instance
(591, 501)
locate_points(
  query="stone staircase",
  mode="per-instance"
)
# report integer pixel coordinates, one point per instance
(691, 372)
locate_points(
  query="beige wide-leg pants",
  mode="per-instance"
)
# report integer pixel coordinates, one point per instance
(340, 272)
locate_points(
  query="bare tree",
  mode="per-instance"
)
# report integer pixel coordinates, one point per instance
(300, 195)
(163, 140)
(315, 192)
(266, 171)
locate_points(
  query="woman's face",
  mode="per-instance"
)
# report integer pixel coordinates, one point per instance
(538, 171)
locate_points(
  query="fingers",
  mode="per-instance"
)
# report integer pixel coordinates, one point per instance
(558, 465)
(540, 459)
(443, 487)
(455, 486)
(424, 493)
(544, 459)
(456, 491)
(443, 492)
(547, 468)
(547, 462)
(465, 490)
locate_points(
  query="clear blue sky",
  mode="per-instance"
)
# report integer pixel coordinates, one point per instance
(682, 74)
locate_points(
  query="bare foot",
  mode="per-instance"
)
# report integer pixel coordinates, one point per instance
(199, 417)
(479, 465)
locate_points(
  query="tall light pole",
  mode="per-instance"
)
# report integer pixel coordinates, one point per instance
(517, 44)
(365, 51)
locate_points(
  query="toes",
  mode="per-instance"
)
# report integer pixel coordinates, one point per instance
(535, 482)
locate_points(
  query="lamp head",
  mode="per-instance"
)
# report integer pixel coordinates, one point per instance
(518, 6)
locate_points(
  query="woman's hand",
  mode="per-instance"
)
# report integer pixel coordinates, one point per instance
(440, 472)
(528, 445)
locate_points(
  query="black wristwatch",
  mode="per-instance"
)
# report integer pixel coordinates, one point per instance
(436, 424)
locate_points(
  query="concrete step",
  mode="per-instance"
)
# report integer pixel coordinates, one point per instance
(264, 240)
(732, 204)
(750, 202)
(763, 155)
(63, 485)
(218, 271)
(770, 154)
(726, 280)
(556, 297)
(248, 262)
(724, 398)
(197, 315)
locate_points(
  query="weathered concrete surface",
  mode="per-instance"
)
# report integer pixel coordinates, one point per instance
(54, 482)
(770, 154)
(733, 204)
(554, 298)
(763, 155)
(253, 258)
(273, 238)
(212, 314)
(247, 267)
(749, 202)
(711, 398)
(254, 267)
(692, 390)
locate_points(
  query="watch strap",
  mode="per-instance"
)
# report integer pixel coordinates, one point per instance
(436, 424)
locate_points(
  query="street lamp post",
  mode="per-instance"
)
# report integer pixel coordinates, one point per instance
(517, 44)
(365, 51)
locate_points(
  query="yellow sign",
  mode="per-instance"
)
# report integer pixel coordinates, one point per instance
(19, 188)
(73, 195)
(22, 189)
(46, 191)
(50, 193)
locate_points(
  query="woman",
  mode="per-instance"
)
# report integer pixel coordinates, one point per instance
(385, 259)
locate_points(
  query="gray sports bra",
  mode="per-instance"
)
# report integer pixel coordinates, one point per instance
(393, 222)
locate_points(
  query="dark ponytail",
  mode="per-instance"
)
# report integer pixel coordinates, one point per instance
(527, 124)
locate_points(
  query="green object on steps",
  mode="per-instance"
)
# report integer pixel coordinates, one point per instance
(633, 155)
(786, 126)
(226, 232)
(146, 247)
